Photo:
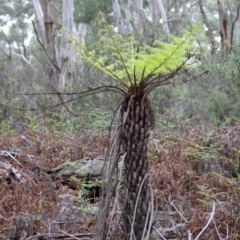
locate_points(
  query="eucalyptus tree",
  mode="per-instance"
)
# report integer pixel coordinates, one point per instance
(60, 63)
(136, 70)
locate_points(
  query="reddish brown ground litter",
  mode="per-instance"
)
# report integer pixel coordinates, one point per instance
(189, 173)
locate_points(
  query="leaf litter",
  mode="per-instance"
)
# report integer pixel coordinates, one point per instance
(192, 174)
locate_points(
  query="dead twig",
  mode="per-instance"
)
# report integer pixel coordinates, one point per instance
(209, 220)
(11, 156)
(72, 236)
(181, 215)
(45, 50)
(83, 236)
(159, 234)
(227, 237)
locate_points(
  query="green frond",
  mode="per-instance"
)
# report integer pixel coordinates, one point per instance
(111, 67)
(127, 59)
(176, 40)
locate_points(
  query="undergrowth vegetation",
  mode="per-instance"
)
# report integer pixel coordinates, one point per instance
(195, 178)
(212, 99)
(194, 171)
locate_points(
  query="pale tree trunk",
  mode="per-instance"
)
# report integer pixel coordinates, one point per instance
(67, 55)
(49, 27)
(118, 16)
(81, 35)
(238, 33)
(209, 31)
(235, 29)
(223, 27)
(140, 14)
(164, 17)
(176, 15)
(82, 32)
(45, 18)
(40, 17)
(128, 23)
(153, 10)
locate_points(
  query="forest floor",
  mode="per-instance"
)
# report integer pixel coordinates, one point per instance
(195, 177)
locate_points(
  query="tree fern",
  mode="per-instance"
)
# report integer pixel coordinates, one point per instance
(139, 69)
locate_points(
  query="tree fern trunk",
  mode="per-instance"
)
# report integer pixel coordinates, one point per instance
(136, 114)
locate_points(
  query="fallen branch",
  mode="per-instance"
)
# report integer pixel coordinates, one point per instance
(83, 236)
(6, 153)
(159, 234)
(181, 215)
(210, 219)
(73, 236)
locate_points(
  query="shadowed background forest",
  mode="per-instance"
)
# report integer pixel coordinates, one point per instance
(33, 63)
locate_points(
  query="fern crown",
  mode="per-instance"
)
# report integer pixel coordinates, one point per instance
(132, 64)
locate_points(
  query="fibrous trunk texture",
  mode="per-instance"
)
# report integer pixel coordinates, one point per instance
(135, 199)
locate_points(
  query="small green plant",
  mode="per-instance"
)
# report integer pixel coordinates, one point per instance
(39, 207)
(202, 153)
(33, 122)
(190, 180)
(100, 120)
(6, 228)
(9, 105)
(210, 195)
(83, 205)
(83, 201)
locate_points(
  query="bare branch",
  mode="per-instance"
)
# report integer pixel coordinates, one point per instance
(72, 236)
(39, 14)
(164, 17)
(159, 233)
(82, 95)
(24, 59)
(35, 30)
(9, 46)
(102, 88)
(210, 31)
(171, 202)
(209, 221)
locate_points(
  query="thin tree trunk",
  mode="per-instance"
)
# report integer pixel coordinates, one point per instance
(48, 23)
(209, 31)
(141, 19)
(223, 27)
(235, 28)
(118, 15)
(67, 58)
(40, 17)
(164, 17)
(153, 10)
(128, 23)
(49, 42)
(238, 32)
(82, 32)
